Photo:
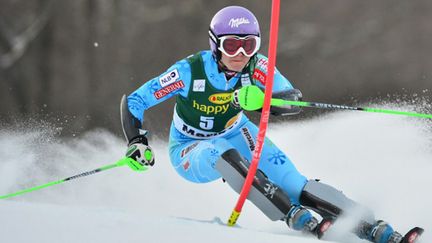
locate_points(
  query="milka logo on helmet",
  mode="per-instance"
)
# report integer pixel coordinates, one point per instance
(238, 21)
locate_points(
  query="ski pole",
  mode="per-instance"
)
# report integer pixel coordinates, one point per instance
(125, 161)
(251, 98)
(280, 102)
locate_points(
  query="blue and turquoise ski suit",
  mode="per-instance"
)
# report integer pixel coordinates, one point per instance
(194, 153)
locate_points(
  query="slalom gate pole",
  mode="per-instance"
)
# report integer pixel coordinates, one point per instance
(124, 161)
(274, 25)
(280, 102)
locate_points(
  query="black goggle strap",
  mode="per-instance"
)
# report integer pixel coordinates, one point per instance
(214, 37)
(215, 40)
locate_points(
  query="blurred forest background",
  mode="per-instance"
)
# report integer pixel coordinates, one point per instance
(70, 61)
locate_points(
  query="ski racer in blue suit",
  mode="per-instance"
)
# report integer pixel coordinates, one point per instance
(211, 137)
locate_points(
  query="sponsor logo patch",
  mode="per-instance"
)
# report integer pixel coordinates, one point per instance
(198, 85)
(169, 89)
(248, 138)
(191, 131)
(210, 109)
(238, 21)
(262, 64)
(245, 79)
(270, 190)
(186, 165)
(221, 98)
(169, 78)
(231, 121)
(188, 149)
(260, 76)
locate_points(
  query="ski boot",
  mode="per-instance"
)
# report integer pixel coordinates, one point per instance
(301, 219)
(382, 232)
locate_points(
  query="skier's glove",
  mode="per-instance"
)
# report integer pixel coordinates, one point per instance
(291, 94)
(251, 98)
(235, 102)
(141, 153)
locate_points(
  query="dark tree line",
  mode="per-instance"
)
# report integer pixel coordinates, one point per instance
(70, 61)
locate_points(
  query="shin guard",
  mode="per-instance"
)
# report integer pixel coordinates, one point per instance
(267, 196)
(330, 203)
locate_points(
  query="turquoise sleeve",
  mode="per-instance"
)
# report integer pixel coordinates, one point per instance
(280, 83)
(175, 81)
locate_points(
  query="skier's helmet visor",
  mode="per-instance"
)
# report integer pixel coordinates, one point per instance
(232, 45)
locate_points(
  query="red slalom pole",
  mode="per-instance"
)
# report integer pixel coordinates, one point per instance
(274, 26)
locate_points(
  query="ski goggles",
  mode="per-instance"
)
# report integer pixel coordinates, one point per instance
(232, 45)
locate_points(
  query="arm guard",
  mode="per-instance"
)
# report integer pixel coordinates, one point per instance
(292, 94)
(132, 127)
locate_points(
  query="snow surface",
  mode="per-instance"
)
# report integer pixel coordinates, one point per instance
(381, 161)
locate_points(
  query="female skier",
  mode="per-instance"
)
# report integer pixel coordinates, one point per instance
(211, 138)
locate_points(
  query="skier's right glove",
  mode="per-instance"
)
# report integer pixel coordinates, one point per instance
(243, 99)
(291, 94)
(251, 98)
(141, 153)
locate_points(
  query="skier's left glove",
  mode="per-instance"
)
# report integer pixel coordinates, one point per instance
(141, 153)
(291, 94)
(251, 99)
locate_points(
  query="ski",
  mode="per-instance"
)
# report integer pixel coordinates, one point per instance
(322, 227)
(412, 236)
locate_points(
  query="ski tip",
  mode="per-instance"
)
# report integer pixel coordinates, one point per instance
(323, 227)
(420, 230)
(413, 235)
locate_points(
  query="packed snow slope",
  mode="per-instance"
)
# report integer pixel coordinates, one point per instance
(381, 161)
